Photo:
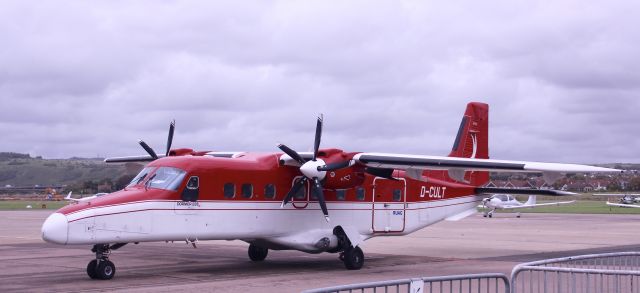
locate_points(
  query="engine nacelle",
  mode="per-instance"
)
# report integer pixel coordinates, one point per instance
(344, 178)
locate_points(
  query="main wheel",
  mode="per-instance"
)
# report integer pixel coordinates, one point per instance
(106, 270)
(257, 253)
(353, 258)
(91, 269)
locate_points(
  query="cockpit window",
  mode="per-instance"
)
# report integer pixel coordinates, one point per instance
(168, 178)
(501, 197)
(140, 177)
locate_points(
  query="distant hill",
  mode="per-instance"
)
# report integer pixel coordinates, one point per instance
(23, 170)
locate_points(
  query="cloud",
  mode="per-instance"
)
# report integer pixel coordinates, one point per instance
(89, 79)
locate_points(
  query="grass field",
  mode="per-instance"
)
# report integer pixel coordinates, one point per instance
(35, 204)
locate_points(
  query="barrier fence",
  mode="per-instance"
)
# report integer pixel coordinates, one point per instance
(593, 273)
(609, 272)
(476, 283)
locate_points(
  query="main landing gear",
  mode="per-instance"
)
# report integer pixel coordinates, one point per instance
(353, 258)
(489, 214)
(102, 268)
(257, 253)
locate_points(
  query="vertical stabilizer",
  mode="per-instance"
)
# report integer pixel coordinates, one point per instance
(531, 200)
(472, 141)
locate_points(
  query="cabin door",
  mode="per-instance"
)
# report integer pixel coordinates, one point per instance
(388, 208)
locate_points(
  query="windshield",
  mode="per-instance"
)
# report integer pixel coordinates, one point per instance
(167, 178)
(140, 177)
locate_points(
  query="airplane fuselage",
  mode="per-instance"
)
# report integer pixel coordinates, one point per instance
(240, 198)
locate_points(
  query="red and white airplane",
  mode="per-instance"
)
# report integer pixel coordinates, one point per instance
(282, 201)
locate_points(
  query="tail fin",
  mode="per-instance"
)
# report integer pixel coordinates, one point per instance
(531, 200)
(472, 140)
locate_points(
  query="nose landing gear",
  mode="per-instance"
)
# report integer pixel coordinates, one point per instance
(102, 268)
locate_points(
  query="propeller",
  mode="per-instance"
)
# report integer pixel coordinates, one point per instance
(314, 171)
(151, 152)
(172, 127)
(484, 202)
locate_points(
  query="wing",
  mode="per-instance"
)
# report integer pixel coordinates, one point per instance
(404, 162)
(131, 159)
(525, 191)
(557, 203)
(622, 205)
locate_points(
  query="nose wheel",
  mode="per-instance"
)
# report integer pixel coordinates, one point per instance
(101, 268)
(257, 253)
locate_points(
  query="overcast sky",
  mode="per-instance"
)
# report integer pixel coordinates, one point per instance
(89, 78)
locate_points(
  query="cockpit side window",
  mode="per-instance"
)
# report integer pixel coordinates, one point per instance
(191, 189)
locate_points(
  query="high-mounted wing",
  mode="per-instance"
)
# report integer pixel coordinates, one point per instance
(623, 205)
(457, 166)
(404, 162)
(131, 159)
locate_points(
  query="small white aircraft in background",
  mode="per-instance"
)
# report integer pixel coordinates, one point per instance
(69, 198)
(627, 200)
(509, 202)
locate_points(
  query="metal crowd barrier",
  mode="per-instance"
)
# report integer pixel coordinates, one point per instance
(609, 272)
(476, 283)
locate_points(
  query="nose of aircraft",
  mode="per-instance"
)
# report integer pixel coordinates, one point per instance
(55, 229)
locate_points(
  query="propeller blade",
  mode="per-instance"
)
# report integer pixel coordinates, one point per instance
(336, 166)
(293, 154)
(380, 172)
(147, 148)
(294, 189)
(317, 189)
(316, 144)
(172, 127)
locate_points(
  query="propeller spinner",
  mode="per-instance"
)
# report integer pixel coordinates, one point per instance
(314, 171)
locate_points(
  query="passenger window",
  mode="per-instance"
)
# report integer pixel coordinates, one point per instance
(360, 193)
(397, 195)
(269, 191)
(229, 190)
(247, 190)
(341, 194)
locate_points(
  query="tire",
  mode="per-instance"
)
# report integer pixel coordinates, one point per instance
(91, 269)
(353, 258)
(106, 270)
(257, 253)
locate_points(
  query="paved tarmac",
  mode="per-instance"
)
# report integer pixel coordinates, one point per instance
(472, 245)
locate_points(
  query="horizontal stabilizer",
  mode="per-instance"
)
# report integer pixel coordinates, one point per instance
(492, 190)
